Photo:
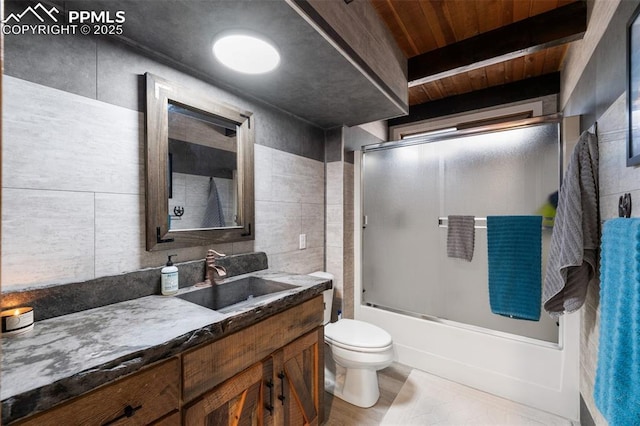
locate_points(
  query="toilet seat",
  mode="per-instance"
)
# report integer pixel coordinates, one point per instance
(357, 348)
(357, 336)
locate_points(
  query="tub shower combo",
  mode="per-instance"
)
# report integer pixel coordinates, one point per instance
(437, 307)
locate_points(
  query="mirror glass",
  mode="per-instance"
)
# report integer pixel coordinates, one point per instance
(203, 163)
(199, 168)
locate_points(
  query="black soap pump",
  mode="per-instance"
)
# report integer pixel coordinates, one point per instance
(169, 278)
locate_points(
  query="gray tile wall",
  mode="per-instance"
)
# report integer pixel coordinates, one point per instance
(334, 232)
(340, 209)
(348, 254)
(73, 189)
(289, 202)
(114, 73)
(594, 87)
(333, 144)
(603, 77)
(615, 180)
(73, 167)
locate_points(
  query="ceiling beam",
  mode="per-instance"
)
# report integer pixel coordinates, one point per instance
(559, 26)
(548, 84)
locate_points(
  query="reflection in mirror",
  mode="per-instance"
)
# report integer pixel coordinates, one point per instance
(203, 168)
(199, 168)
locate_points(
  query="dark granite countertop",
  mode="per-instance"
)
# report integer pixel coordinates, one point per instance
(69, 355)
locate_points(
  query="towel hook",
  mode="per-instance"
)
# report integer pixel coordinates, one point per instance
(624, 206)
(178, 211)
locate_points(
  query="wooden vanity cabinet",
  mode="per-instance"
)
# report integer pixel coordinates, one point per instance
(270, 373)
(146, 397)
(209, 365)
(265, 374)
(284, 389)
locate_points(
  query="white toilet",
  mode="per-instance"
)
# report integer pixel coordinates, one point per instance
(359, 350)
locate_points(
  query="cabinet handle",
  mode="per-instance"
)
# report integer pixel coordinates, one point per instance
(281, 397)
(269, 405)
(129, 411)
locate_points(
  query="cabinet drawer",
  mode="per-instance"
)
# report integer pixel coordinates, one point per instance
(173, 419)
(150, 394)
(210, 365)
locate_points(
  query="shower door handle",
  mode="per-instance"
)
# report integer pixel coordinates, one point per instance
(365, 221)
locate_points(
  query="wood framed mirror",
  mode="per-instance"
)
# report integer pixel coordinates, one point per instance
(199, 168)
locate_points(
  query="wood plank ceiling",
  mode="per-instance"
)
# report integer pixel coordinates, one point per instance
(424, 26)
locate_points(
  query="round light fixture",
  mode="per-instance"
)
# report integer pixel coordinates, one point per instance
(246, 53)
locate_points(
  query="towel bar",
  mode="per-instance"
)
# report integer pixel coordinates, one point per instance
(443, 219)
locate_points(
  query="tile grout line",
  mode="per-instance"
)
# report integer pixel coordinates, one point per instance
(94, 235)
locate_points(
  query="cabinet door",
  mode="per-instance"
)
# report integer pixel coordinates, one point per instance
(211, 364)
(299, 381)
(241, 400)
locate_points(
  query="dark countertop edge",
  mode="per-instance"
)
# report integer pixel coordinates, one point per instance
(46, 397)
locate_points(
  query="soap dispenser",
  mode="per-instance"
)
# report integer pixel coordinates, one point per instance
(169, 280)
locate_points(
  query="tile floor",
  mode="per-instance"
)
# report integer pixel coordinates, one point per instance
(426, 399)
(413, 397)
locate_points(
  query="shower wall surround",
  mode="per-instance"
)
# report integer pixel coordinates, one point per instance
(73, 167)
(594, 86)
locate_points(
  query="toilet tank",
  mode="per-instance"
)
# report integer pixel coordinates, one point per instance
(327, 295)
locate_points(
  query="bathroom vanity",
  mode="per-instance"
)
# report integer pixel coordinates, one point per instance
(167, 361)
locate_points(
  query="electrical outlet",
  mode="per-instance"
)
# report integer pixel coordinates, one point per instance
(303, 241)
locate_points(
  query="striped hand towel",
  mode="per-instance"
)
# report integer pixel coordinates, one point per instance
(460, 236)
(617, 387)
(515, 254)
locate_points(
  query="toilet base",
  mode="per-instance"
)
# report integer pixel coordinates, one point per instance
(356, 386)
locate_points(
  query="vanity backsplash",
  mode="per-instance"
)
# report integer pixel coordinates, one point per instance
(54, 301)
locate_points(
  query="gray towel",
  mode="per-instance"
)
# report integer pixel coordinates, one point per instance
(213, 215)
(573, 255)
(460, 236)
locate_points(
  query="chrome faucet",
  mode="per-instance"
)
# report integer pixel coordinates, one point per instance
(212, 268)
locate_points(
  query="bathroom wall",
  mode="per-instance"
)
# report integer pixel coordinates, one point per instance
(594, 86)
(340, 144)
(73, 166)
(335, 225)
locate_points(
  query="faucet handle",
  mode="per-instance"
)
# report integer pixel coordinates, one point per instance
(212, 252)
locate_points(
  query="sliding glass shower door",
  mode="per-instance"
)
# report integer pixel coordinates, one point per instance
(408, 191)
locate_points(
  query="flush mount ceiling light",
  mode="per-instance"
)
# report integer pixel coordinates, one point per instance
(246, 53)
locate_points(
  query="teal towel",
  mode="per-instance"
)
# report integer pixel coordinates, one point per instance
(617, 387)
(515, 254)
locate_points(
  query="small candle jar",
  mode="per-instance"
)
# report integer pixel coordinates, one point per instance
(17, 320)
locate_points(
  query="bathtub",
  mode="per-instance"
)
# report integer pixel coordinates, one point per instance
(533, 372)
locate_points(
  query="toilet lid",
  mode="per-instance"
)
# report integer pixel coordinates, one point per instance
(357, 334)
